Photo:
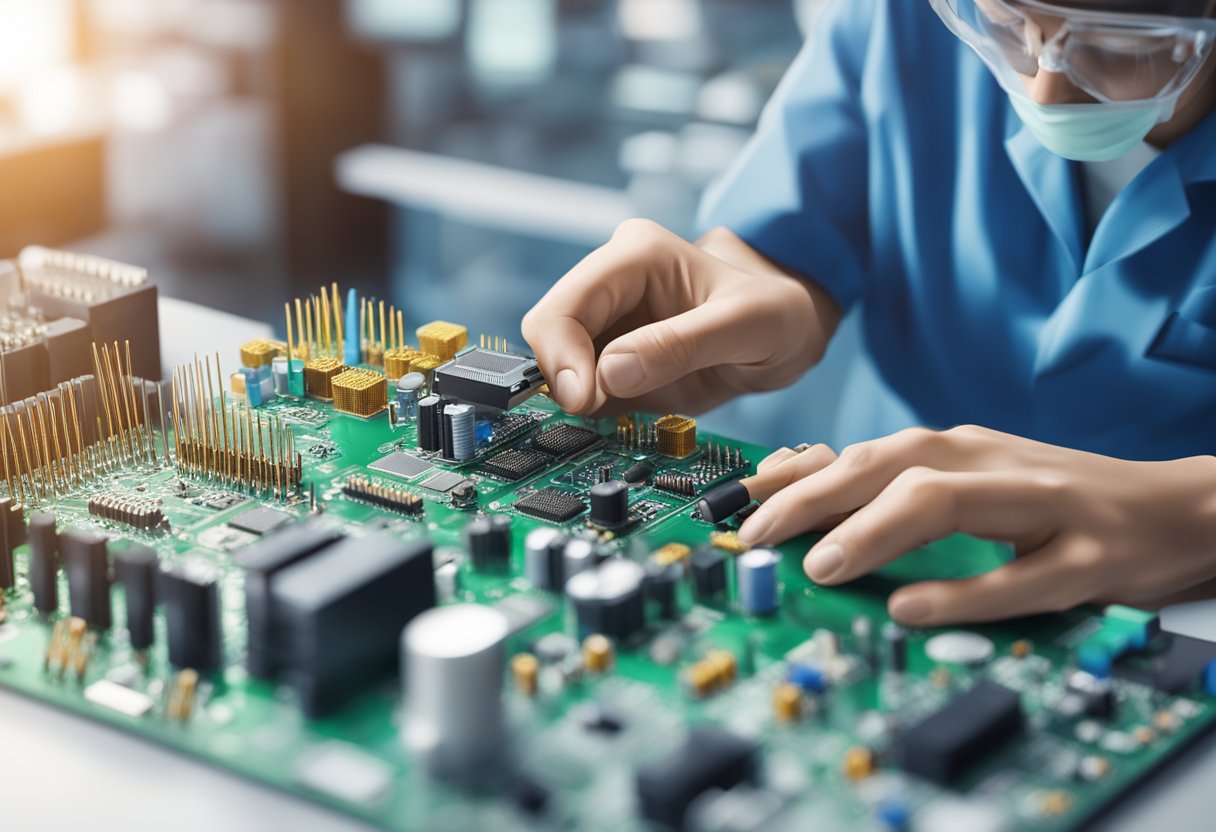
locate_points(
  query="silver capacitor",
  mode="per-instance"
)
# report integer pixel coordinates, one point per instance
(453, 659)
(544, 549)
(461, 421)
(756, 578)
(409, 391)
(579, 556)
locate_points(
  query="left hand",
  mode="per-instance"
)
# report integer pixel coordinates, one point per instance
(1085, 527)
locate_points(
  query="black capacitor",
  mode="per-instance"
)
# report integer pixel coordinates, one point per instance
(488, 539)
(430, 435)
(86, 562)
(708, 573)
(135, 569)
(661, 583)
(609, 599)
(638, 472)
(190, 595)
(44, 561)
(722, 502)
(895, 646)
(7, 543)
(609, 503)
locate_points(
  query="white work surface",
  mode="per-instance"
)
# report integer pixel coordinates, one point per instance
(63, 772)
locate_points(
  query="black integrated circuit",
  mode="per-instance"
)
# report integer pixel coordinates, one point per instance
(565, 440)
(515, 464)
(552, 504)
(948, 742)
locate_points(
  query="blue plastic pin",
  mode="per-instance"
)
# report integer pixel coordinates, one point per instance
(352, 350)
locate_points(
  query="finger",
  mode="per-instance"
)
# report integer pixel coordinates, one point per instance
(775, 458)
(797, 466)
(924, 505)
(1056, 577)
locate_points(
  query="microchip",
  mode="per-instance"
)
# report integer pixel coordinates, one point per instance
(443, 481)
(401, 464)
(222, 502)
(514, 464)
(954, 738)
(565, 440)
(551, 504)
(488, 378)
(711, 758)
(259, 520)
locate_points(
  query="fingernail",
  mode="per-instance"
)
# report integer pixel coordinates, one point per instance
(825, 561)
(622, 373)
(754, 529)
(567, 388)
(910, 610)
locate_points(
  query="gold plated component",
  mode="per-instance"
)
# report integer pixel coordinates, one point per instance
(443, 339)
(319, 374)
(1021, 648)
(672, 553)
(361, 488)
(598, 654)
(525, 669)
(360, 392)
(181, 695)
(728, 542)
(261, 351)
(677, 435)
(858, 763)
(712, 673)
(426, 363)
(787, 702)
(398, 361)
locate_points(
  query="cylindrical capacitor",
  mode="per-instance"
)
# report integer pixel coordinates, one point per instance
(895, 646)
(8, 542)
(609, 599)
(609, 503)
(86, 561)
(662, 581)
(720, 503)
(578, 555)
(44, 561)
(278, 371)
(409, 392)
(543, 552)
(459, 431)
(430, 435)
(708, 573)
(863, 638)
(136, 571)
(453, 659)
(488, 539)
(756, 576)
(190, 595)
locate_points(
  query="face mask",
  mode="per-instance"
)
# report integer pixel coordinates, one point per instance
(1091, 132)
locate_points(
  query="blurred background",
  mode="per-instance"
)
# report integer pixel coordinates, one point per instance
(453, 156)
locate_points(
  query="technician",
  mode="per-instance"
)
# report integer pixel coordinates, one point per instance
(1023, 203)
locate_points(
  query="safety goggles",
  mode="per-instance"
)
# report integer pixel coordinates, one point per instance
(1113, 56)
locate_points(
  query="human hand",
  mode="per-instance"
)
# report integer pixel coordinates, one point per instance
(1085, 527)
(652, 322)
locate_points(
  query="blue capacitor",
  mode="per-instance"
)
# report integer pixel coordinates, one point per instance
(253, 386)
(756, 577)
(352, 350)
(1209, 678)
(893, 814)
(808, 677)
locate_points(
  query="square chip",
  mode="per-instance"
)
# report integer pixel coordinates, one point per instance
(401, 464)
(488, 378)
(442, 481)
(552, 504)
(565, 439)
(514, 464)
(259, 520)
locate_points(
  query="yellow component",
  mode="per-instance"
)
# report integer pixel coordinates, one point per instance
(425, 363)
(261, 351)
(360, 392)
(728, 542)
(717, 670)
(181, 695)
(1054, 802)
(858, 763)
(1165, 722)
(724, 664)
(598, 654)
(525, 668)
(443, 339)
(939, 677)
(672, 553)
(319, 374)
(1145, 735)
(238, 383)
(787, 702)
(397, 361)
(1021, 648)
(677, 435)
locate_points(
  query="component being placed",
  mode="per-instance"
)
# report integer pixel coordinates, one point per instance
(721, 503)
(189, 592)
(489, 379)
(756, 575)
(44, 561)
(609, 598)
(610, 504)
(360, 392)
(488, 539)
(677, 435)
(453, 659)
(136, 569)
(86, 562)
(710, 758)
(951, 740)
(544, 550)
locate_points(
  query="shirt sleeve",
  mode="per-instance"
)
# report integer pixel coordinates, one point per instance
(798, 192)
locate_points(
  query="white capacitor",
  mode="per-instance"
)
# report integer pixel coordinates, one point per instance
(464, 430)
(453, 660)
(579, 556)
(544, 549)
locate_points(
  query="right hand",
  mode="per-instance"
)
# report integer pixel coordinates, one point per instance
(654, 323)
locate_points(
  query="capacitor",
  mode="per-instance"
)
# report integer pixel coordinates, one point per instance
(895, 646)
(598, 653)
(430, 435)
(459, 431)
(278, 371)
(7, 543)
(190, 595)
(409, 392)
(86, 562)
(578, 556)
(756, 576)
(661, 583)
(720, 503)
(136, 571)
(639, 472)
(544, 550)
(447, 580)
(525, 670)
(453, 659)
(609, 599)
(44, 561)
(863, 638)
(708, 573)
(609, 503)
(488, 539)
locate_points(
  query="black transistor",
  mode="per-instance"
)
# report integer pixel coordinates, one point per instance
(961, 733)
(86, 562)
(190, 596)
(489, 541)
(711, 758)
(708, 573)
(44, 561)
(135, 569)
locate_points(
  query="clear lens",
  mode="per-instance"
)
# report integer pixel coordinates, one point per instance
(1127, 67)
(1007, 30)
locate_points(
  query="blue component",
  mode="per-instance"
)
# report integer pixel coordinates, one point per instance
(253, 387)
(352, 350)
(893, 814)
(1209, 678)
(295, 377)
(1094, 660)
(756, 577)
(263, 372)
(811, 679)
(485, 431)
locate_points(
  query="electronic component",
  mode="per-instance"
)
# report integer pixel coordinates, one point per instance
(397, 363)
(1093, 697)
(1174, 665)
(338, 614)
(360, 392)
(709, 758)
(578, 555)
(552, 504)
(136, 570)
(133, 511)
(261, 351)
(343, 771)
(721, 503)
(453, 660)
(442, 338)
(598, 653)
(401, 464)
(44, 561)
(544, 550)
(488, 379)
(610, 504)
(661, 584)
(464, 496)
(118, 698)
(409, 393)
(488, 539)
(86, 561)
(717, 670)
(442, 481)
(676, 483)
(638, 473)
(514, 464)
(960, 734)
(756, 576)
(430, 431)
(260, 520)
(609, 598)
(458, 436)
(8, 575)
(525, 670)
(959, 648)
(708, 573)
(677, 435)
(787, 702)
(319, 375)
(808, 678)
(895, 647)
(394, 499)
(565, 440)
(189, 592)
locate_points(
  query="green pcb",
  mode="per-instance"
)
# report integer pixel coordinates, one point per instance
(1059, 771)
